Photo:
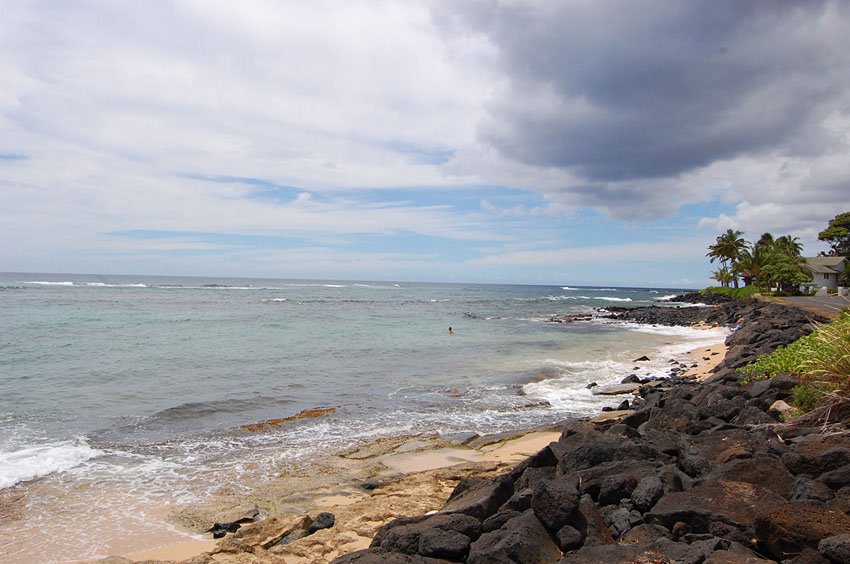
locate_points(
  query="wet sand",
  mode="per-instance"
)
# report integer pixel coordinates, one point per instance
(410, 476)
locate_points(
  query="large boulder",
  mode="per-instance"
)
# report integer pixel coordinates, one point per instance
(382, 556)
(523, 539)
(788, 528)
(815, 463)
(482, 499)
(555, 502)
(440, 535)
(764, 470)
(836, 548)
(611, 553)
(648, 491)
(722, 502)
(592, 524)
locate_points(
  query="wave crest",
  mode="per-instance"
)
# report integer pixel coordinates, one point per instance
(42, 460)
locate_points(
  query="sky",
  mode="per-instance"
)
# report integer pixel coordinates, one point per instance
(500, 141)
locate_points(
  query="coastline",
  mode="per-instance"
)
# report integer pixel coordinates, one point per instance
(700, 470)
(403, 476)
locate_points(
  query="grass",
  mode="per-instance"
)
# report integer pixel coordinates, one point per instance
(809, 396)
(737, 293)
(820, 360)
(829, 356)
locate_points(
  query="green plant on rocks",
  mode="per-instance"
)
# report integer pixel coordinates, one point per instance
(736, 293)
(821, 360)
(829, 355)
(809, 396)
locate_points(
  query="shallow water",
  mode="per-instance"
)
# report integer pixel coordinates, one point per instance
(132, 390)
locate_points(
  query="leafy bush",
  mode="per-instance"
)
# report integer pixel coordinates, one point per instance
(783, 360)
(737, 293)
(829, 354)
(807, 396)
(822, 356)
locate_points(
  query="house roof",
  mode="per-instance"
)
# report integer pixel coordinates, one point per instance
(825, 265)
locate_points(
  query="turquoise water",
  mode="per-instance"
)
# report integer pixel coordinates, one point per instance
(143, 382)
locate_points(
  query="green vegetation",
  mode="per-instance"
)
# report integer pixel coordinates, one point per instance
(737, 293)
(809, 396)
(727, 249)
(828, 359)
(837, 234)
(821, 360)
(767, 263)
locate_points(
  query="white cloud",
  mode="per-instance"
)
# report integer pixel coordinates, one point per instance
(123, 109)
(622, 253)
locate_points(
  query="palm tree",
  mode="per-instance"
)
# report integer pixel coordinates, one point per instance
(727, 249)
(765, 241)
(750, 265)
(723, 276)
(788, 245)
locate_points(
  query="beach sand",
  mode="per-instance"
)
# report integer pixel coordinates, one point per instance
(409, 476)
(706, 359)
(403, 476)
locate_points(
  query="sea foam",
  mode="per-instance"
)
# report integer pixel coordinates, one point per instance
(34, 462)
(48, 283)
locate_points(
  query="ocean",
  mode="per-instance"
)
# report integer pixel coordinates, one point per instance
(119, 393)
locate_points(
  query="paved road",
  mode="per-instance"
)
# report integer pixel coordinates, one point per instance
(829, 306)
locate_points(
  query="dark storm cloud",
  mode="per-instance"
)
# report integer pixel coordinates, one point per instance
(623, 91)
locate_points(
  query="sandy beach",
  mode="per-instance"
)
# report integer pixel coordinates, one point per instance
(364, 488)
(402, 476)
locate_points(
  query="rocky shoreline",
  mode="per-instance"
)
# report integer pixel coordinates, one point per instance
(695, 472)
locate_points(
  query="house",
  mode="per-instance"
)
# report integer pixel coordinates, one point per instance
(825, 271)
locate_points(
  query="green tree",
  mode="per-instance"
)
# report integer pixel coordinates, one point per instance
(750, 264)
(837, 234)
(784, 271)
(723, 276)
(753, 258)
(727, 249)
(788, 245)
(773, 262)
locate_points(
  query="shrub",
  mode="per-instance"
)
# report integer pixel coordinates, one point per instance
(823, 356)
(737, 293)
(808, 396)
(828, 358)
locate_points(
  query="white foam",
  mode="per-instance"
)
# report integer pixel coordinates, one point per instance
(36, 461)
(665, 298)
(48, 283)
(567, 288)
(569, 391)
(690, 333)
(612, 299)
(105, 285)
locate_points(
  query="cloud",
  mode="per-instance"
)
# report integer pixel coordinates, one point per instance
(318, 95)
(632, 105)
(622, 253)
(288, 120)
